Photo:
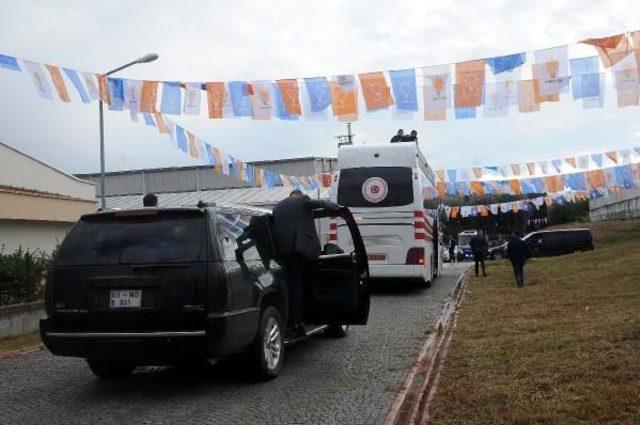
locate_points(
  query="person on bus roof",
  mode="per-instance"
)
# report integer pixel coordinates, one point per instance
(398, 137)
(150, 200)
(412, 137)
(297, 243)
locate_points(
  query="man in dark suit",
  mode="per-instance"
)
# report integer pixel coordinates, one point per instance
(398, 137)
(479, 247)
(297, 243)
(518, 252)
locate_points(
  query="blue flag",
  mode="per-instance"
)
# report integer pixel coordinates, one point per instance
(281, 110)
(210, 155)
(312, 182)
(319, 93)
(403, 83)
(557, 164)
(181, 139)
(464, 113)
(506, 63)
(239, 95)
(624, 175)
(250, 175)
(452, 175)
(451, 188)
(116, 93)
(73, 76)
(527, 186)
(597, 158)
(575, 181)
(539, 185)
(171, 98)
(585, 79)
(463, 188)
(9, 62)
(148, 119)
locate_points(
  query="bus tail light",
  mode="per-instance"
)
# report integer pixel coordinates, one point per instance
(419, 225)
(415, 256)
(333, 229)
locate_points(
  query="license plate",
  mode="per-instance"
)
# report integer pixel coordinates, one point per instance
(125, 298)
(377, 257)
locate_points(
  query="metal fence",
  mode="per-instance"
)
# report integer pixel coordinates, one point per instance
(617, 206)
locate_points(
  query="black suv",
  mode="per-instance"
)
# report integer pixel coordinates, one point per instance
(168, 285)
(551, 242)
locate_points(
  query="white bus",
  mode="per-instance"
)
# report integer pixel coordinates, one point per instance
(383, 187)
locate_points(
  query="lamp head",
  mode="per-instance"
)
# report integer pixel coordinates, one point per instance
(148, 58)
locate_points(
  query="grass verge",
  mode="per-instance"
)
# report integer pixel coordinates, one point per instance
(564, 349)
(12, 345)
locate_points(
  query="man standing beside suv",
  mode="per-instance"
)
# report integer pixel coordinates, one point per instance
(518, 252)
(297, 243)
(479, 247)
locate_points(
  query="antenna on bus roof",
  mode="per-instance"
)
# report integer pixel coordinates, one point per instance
(346, 139)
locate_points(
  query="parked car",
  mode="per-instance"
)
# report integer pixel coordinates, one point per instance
(558, 242)
(168, 285)
(551, 242)
(445, 254)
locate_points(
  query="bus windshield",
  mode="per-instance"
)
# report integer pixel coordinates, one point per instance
(463, 240)
(375, 187)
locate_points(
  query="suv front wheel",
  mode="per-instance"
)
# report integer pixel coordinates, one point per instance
(268, 347)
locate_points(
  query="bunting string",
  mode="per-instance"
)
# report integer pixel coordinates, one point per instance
(489, 87)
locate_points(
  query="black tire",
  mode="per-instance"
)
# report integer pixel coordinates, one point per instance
(267, 355)
(109, 369)
(336, 330)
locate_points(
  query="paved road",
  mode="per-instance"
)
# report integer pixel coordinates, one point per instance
(337, 381)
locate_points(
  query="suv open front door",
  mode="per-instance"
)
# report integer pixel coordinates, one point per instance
(338, 284)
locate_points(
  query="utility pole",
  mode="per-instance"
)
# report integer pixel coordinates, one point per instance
(346, 139)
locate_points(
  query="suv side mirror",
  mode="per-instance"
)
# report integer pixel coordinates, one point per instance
(331, 248)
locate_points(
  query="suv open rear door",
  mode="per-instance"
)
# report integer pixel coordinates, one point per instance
(338, 284)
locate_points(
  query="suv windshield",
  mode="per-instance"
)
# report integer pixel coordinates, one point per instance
(375, 187)
(165, 237)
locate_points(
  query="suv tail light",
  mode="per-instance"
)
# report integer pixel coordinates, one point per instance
(415, 256)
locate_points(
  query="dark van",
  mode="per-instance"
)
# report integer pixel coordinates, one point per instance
(559, 242)
(171, 285)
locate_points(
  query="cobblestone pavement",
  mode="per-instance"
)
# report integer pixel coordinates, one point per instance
(335, 381)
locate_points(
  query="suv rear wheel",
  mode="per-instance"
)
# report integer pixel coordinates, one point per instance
(268, 349)
(336, 330)
(109, 369)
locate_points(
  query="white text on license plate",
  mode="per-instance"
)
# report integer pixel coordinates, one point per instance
(125, 298)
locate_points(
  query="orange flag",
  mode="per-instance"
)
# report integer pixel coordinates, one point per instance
(613, 155)
(611, 49)
(149, 97)
(516, 169)
(435, 115)
(554, 183)
(58, 83)
(290, 94)
(526, 99)
(515, 186)
(484, 210)
(596, 178)
(469, 83)
(343, 103)
(477, 188)
(532, 167)
(442, 189)
(162, 126)
(454, 211)
(193, 146)
(257, 177)
(218, 155)
(103, 89)
(478, 172)
(542, 69)
(572, 161)
(376, 91)
(215, 99)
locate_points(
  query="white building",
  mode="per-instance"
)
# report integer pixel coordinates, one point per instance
(38, 203)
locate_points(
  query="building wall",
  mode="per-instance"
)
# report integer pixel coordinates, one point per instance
(38, 207)
(618, 206)
(31, 235)
(20, 170)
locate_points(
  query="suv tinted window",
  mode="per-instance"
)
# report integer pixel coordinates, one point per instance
(375, 187)
(165, 237)
(231, 229)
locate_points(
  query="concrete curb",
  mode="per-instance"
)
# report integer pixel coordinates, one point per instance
(411, 404)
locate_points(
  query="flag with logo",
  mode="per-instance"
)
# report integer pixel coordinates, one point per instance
(495, 101)
(550, 73)
(611, 49)
(344, 97)
(290, 96)
(132, 95)
(239, 96)
(376, 92)
(436, 92)
(171, 102)
(403, 83)
(115, 88)
(43, 88)
(216, 94)
(192, 98)
(469, 84)
(526, 97)
(318, 93)
(73, 76)
(149, 96)
(627, 87)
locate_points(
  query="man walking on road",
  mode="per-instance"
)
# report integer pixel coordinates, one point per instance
(479, 247)
(297, 243)
(518, 252)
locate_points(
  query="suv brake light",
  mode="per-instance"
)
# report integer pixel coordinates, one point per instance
(415, 256)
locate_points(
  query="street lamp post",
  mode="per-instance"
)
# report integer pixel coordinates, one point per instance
(145, 59)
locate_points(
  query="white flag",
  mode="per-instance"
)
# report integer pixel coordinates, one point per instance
(132, 94)
(192, 98)
(39, 80)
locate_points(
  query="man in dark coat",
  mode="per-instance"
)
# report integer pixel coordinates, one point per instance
(479, 247)
(518, 252)
(398, 137)
(297, 243)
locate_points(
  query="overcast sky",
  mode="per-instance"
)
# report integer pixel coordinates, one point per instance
(254, 40)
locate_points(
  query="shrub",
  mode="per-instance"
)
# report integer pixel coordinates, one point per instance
(22, 275)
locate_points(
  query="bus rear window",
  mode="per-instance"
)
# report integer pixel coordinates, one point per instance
(158, 238)
(375, 187)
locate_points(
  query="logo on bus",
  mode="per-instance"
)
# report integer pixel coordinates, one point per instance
(375, 190)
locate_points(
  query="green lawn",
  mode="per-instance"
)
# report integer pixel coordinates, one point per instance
(564, 349)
